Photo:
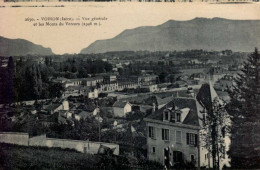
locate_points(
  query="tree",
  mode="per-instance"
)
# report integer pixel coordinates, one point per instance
(162, 77)
(215, 125)
(33, 82)
(10, 81)
(245, 116)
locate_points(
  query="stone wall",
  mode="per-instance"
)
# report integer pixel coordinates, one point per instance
(79, 145)
(14, 138)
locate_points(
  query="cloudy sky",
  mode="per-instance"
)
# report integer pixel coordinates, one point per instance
(120, 16)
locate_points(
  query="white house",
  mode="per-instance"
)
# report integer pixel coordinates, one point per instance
(93, 94)
(163, 141)
(121, 108)
(57, 106)
(172, 133)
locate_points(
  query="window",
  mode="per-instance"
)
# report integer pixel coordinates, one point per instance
(165, 134)
(192, 158)
(151, 132)
(153, 149)
(166, 115)
(178, 137)
(178, 115)
(192, 139)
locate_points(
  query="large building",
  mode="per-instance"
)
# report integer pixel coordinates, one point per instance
(173, 133)
(174, 130)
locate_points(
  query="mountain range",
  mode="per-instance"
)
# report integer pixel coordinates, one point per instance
(20, 47)
(199, 33)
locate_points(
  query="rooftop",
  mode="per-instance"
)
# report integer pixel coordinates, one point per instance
(180, 103)
(120, 104)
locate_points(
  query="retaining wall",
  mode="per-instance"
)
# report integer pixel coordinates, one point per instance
(14, 138)
(79, 145)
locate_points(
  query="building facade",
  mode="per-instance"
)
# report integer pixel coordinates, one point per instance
(173, 133)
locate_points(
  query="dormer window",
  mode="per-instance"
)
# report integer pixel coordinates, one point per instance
(178, 116)
(166, 115)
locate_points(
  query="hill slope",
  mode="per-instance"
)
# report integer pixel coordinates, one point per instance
(19, 47)
(199, 33)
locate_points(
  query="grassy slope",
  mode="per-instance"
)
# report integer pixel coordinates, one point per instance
(23, 157)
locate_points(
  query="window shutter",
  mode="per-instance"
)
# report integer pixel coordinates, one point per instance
(196, 139)
(188, 138)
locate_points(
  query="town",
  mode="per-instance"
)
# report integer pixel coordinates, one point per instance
(148, 105)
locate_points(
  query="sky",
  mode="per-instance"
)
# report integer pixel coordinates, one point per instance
(120, 16)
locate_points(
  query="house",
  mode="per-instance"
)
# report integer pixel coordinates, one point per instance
(90, 107)
(92, 94)
(198, 76)
(108, 87)
(60, 80)
(216, 73)
(74, 91)
(109, 78)
(180, 83)
(83, 115)
(172, 133)
(146, 79)
(57, 106)
(149, 88)
(127, 85)
(121, 108)
(93, 81)
(58, 117)
(65, 113)
(72, 82)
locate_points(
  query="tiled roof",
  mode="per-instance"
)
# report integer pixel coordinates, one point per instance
(165, 100)
(93, 78)
(180, 103)
(52, 106)
(75, 88)
(206, 95)
(120, 104)
(90, 107)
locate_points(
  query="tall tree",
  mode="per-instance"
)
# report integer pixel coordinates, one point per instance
(245, 116)
(10, 81)
(33, 82)
(215, 125)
